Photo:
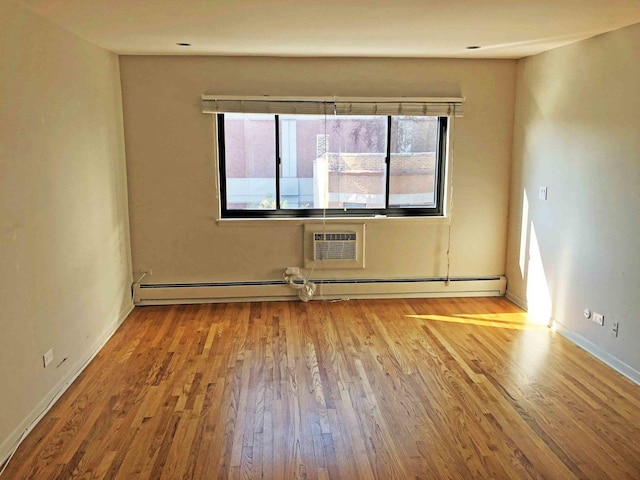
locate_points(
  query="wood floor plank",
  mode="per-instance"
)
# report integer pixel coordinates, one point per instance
(357, 390)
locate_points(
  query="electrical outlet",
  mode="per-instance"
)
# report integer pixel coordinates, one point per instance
(587, 313)
(292, 271)
(47, 358)
(615, 329)
(542, 193)
(598, 318)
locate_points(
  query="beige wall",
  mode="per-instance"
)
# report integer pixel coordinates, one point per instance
(64, 245)
(171, 166)
(577, 131)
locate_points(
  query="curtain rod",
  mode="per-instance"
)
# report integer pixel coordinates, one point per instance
(269, 98)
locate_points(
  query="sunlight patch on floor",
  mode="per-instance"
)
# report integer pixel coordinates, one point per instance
(511, 321)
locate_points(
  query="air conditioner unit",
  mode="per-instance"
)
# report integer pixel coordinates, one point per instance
(334, 246)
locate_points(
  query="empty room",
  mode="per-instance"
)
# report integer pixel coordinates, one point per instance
(320, 239)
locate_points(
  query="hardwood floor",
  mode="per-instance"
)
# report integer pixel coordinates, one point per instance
(402, 389)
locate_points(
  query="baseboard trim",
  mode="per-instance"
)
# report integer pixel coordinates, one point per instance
(602, 355)
(10, 444)
(519, 301)
(327, 289)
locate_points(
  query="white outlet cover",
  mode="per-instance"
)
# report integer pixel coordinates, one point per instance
(542, 193)
(598, 318)
(47, 358)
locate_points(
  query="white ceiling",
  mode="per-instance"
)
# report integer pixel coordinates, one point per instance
(380, 28)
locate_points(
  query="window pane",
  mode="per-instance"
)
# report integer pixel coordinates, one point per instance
(250, 165)
(332, 162)
(412, 173)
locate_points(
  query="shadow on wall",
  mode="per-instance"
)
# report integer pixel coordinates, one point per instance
(538, 297)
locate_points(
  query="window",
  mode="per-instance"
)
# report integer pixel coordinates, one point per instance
(335, 156)
(337, 165)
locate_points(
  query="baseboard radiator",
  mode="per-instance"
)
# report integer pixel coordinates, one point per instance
(182, 293)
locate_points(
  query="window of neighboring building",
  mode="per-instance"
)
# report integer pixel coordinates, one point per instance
(333, 165)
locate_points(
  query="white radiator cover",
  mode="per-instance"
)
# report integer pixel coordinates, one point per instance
(162, 294)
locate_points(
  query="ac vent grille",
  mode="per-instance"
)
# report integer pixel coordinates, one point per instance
(334, 246)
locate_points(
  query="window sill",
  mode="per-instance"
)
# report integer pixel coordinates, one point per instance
(255, 222)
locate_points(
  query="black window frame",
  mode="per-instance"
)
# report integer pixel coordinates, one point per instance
(278, 212)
